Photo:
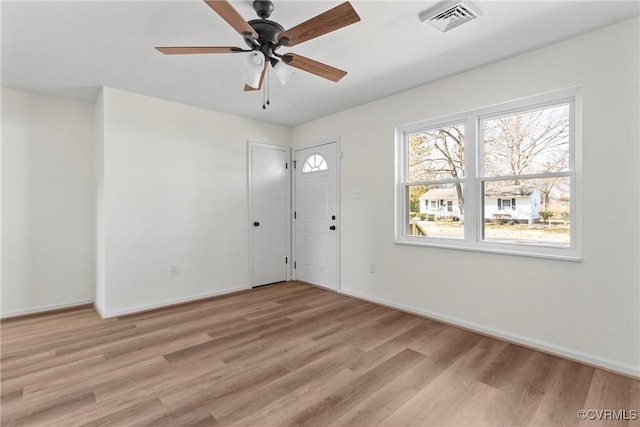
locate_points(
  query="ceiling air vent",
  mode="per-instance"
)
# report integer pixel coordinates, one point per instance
(448, 15)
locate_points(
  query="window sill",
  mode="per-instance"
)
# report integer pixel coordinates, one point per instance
(533, 251)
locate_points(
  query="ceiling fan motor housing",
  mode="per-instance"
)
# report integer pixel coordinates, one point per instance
(268, 32)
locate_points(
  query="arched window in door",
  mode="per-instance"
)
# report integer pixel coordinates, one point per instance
(314, 163)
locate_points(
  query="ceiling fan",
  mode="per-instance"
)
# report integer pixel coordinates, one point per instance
(265, 37)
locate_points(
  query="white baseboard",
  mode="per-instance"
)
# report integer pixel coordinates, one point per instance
(166, 303)
(564, 352)
(98, 310)
(43, 308)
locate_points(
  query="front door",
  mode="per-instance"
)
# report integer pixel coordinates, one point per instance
(316, 216)
(268, 216)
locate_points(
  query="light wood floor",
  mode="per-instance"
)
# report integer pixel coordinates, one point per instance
(286, 355)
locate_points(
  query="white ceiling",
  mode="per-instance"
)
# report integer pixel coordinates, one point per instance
(71, 48)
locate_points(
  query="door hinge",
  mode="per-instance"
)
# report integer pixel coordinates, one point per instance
(295, 214)
(286, 260)
(294, 265)
(294, 164)
(286, 165)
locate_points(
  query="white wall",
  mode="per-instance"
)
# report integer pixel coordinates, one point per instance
(47, 203)
(175, 192)
(589, 309)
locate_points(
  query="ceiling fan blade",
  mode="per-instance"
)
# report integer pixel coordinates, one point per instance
(180, 50)
(313, 67)
(248, 88)
(233, 18)
(331, 20)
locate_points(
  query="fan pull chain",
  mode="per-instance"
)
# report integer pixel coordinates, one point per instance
(265, 90)
(268, 84)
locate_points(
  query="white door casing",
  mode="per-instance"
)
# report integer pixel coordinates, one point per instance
(269, 207)
(316, 221)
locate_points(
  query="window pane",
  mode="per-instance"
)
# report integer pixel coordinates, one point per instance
(436, 211)
(540, 214)
(527, 143)
(314, 163)
(436, 154)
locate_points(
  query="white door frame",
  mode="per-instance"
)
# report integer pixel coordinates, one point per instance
(327, 141)
(250, 145)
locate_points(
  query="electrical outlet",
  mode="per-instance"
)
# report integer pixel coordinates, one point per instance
(175, 269)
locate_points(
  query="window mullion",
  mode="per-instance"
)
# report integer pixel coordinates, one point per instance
(438, 182)
(528, 176)
(470, 197)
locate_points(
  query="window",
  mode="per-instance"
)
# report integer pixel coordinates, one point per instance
(506, 204)
(500, 179)
(435, 171)
(314, 163)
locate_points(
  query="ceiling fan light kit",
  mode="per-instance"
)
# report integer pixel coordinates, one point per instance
(283, 72)
(264, 37)
(254, 62)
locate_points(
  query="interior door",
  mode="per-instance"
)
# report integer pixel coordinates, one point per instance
(269, 212)
(316, 215)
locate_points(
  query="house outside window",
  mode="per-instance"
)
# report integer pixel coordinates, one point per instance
(500, 179)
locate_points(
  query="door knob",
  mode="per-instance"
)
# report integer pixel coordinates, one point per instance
(333, 227)
(256, 224)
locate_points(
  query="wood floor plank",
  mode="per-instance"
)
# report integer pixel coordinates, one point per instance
(94, 379)
(437, 400)
(18, 362)
(231, 410)
(381, 332)
(227, 387)
(195, 418)
(384, 402)
(520, 398)
(348, 396)
(44, 412)
(159, 384)
(279, 411)
(565, 396)
(56, 368)
(609, 391)
(287, 354)
(130, 414)
(506, 366)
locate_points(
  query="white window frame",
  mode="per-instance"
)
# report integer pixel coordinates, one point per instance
(473, 179)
